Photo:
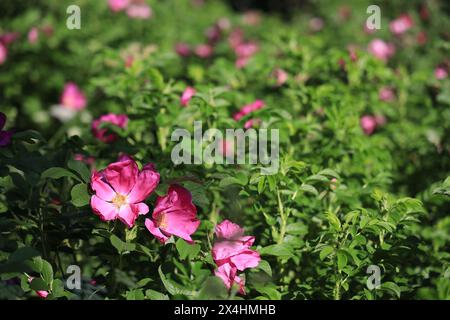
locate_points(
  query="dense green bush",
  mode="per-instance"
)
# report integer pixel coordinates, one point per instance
(364, 148)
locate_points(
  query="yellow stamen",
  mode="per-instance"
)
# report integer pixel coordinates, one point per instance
(161, 221)
(119, 200)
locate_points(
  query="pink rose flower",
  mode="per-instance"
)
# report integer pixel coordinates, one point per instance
(280, 76)
(440, 73)
(386, 94)
(368, 124)
(182, 49)
(120, 190)
(5, 136)
(187, 95)
(204, 51)
(119, 120)
(139, 11)
(249, 108)
(244, 51)
(251, 123)
(231, 253)
(33, 35)
(118, 5)
(3, 53)
(72, 97)
(380, 49)
(174, 214)
(401, 24)
(9, 37)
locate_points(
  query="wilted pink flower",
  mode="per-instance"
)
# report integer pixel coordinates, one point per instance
(182, 49)
(139, 11)
(386, 94)
(188, 93)
(368, 124)
(3, 53)
(401, 24)
(231, 253)
(120, 190)
(440, 73)
(380, 49)
(204, 50)
(174, 214)
(249, 108)
(33, 35)
(118, 5)
(72, 97)
(5, 136)
(119, 120)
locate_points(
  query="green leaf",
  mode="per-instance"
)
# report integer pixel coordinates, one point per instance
(392, 287)
(277, 250)
(80, 196)
(121, 246)
(47, 272)
(187, 250)
(270, 292)
(38, 284)
(309, 188)
(80, 168)
(213, 289)
(325, 252)
(57, 173)
(172, 287)
(341, 259)
(265, 266)
(155, 295)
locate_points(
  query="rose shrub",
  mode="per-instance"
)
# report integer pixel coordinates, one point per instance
(87, 179)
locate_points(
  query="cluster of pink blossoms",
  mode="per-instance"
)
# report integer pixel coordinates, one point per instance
(120, 191)
(136, 9)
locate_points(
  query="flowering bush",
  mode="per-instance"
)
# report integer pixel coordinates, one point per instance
(88, 178)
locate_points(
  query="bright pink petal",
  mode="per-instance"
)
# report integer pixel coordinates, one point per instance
(150, 225)
(139, 208)
(127, 215)
(246, 259)
(101, 188)
(105, 210)
(146, 183)
(122, 175)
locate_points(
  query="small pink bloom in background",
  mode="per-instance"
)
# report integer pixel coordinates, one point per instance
(224, 24)
(246, 49)
(93, 282)
(226, 148)
(129, 61)
(345, 12)
(380, 120)
(386, 94)
(119, 120)
(5, 136)
(424, 13)
(174, 214)
(421, 38)
(3, 53)
(251, 123)
(41, 293)
(352, 52)
(316, 24)
(252, 18)
(89, 160)
(182, 49)
(368, 30)
(249, 108)
(187, 95)
(204, 51)
(33, 35)
(280, 76)
(440, 73)
(368, 124)
(47, 30)
(231, 253)
(139, 11)
(72, 97)
(118, 5)
(121, 189)
(401, 24)
(213, 34)
(380, 49)
(235, 37)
